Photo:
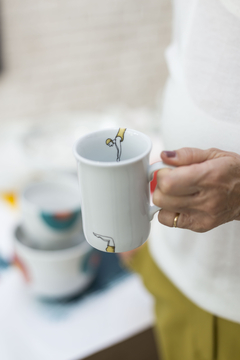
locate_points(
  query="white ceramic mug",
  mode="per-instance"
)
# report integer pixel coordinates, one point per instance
(114, 175)
(51, 212)
(56, 273)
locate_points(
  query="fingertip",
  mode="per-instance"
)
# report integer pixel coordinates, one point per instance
(165, 217)
(169, 157)
(185, 156)
(169, 154)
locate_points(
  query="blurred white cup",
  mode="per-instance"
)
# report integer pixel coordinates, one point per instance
(56, 273)
(51, 212)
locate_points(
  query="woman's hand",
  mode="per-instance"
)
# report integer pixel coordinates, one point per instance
(204, 188)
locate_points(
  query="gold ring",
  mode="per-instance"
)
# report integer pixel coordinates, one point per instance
(175, 220)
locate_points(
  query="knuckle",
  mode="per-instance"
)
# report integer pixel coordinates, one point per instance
(207, 224)
(210, 208)
(213, 151)
(214, 208)
(187, 152)
(185, 221)
(216, 175)
(165, 185)
(190, 152)
(196, 224)
(210, 175)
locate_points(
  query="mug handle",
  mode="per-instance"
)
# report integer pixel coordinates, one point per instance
(151, 170)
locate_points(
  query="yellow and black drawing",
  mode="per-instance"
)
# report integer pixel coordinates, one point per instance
(117, 142)
(110, 242)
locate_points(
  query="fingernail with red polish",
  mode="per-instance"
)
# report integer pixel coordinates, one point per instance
(170, 154)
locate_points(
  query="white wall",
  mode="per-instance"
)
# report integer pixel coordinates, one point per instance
(74, 55)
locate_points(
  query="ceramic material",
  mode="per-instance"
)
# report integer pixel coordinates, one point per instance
(56, 273)
(114, 175)
(51, 212)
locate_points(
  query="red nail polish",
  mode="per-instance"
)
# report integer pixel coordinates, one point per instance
(170, 154)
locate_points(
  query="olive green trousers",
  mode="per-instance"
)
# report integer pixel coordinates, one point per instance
(183, 330)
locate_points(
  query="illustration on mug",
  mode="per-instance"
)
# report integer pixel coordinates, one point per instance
(117, 142)
(110, 242)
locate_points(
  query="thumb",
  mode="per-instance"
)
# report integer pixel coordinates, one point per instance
(187, 156)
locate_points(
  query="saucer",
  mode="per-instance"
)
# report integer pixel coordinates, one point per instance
(68, 244)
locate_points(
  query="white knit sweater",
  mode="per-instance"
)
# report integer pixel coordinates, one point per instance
(202, 109)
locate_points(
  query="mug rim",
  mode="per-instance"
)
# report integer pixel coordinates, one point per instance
(111, 163)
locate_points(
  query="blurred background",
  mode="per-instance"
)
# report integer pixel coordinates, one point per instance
(67, 68)
(80, 55)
